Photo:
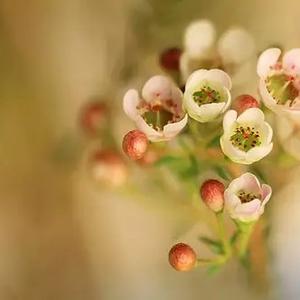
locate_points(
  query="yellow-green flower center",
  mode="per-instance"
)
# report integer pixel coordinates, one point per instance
(207, 95)
(282, 89)
(245, 138)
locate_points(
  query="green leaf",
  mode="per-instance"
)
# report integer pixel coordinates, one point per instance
(167, 160)
(222, 172)
(214, 245)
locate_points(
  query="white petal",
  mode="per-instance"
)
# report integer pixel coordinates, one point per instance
(209, 112)
(130, 103)
(199, 39)
(195, 78)
(250, 183)
(231, 201)
(235, 46)
(266, 193)
(171, 130)
(252, 115)
(153, 135)
(291, 61)
(220, 77)
(267, 98)
(266, 60)
(177, 95)
(232, 152)
(249, 211)
(157, 87)
(266, 132)
(257, 153)
(229, 119)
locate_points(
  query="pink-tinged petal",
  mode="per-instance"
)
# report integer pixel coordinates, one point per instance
(195, 78)
(267, 60)
(231, 200)
(152, 134)
(257, 153)
(266, 193)
(130, 103)
(249, 211)
(250, 183)
(251, 115)
(229, 119)
(177, 95)
(157, 87)
(291, 61)
(219, 76)
(171, 130)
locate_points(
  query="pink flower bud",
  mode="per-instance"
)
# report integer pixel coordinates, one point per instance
(244, 102)
(135, 144)
(169, 59)
(212, 194)
(93, 117)
(182, 257)
(107, 167)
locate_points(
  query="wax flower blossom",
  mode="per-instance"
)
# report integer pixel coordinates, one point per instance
(232, 52)
(207, 94)
(280, 80)
(245, 198)
(247, 138)
(159, 112)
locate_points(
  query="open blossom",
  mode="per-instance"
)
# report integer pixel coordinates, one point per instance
(159, 112)
(245, 198)
(207, 94)
(280, 80)
(232, 51)
(247, 138)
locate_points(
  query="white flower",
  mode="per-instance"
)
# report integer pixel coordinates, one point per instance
(245, 198)
(247, 138)
(207, 94)
(159, 113)
(232, 51)
(280, 80)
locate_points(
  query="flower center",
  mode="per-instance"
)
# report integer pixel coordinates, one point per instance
(245, 138)
(247, 197)
(158, 113)
(207, 95)
(282, 89)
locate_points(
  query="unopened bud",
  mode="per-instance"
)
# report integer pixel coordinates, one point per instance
(135, 144)
(244, 102)
(169, 59)
(182, 257)
(212, 194)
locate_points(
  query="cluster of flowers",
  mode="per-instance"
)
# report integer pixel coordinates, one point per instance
(163, 109)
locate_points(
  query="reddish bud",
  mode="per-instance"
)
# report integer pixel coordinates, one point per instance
(169, 59)
(244, 102)
(135, 144)
(182, 257)
(93, 117)
(107, 167)
(212, 194)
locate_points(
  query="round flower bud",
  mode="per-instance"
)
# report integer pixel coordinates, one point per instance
(107, 167)
(135, 144)
(212, 194)
(182, 257)
(244, 102)
(93, 117)
(169, 59)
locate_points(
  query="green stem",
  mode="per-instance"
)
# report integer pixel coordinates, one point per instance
(244, 234)
(223, 237)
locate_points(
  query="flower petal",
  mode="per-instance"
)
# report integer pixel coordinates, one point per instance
(195, 78)
(249, 211)
(266, 193)
(171, 130)
(153, 135)
(199, 39)
(266, 132)
(235, 46)
(209, 112)
(251, 115)
(232, 152)
(130, 103)
(157, 87)
(229, 119)
(257, 153)
(250, 183)
(291, 61)
(220, 77)
(266, 60)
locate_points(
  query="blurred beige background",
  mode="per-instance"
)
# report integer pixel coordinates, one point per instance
(63, 238)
